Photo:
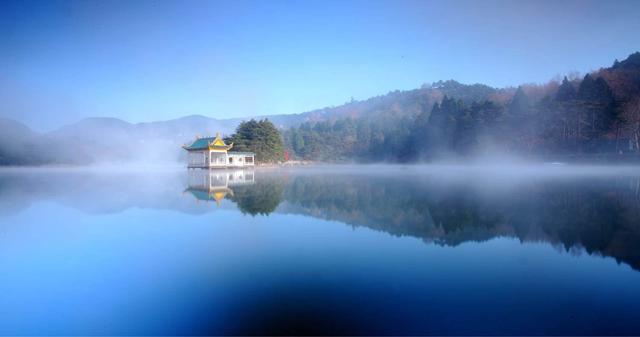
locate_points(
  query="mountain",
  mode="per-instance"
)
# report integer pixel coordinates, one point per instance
(398, 126)
(111, 140)
(19, 145)
(16, 142)
(596, 116)
(107, 140)
(404, 103)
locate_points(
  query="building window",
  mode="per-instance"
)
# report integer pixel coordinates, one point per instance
(248, 159)
(230, 160)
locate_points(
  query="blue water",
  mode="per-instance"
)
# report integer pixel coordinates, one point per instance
(319, 251)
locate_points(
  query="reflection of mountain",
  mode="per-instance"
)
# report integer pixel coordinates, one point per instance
(595, 214)
(96, 192)
(599, 215)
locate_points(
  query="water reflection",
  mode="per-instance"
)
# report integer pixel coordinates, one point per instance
(596, 215)
(591, 214)
(215, 185)
(250, 252)
(239, 186)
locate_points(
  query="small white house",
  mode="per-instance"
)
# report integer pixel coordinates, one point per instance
(212, 152)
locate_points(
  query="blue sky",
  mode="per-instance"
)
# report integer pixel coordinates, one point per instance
(61, 61)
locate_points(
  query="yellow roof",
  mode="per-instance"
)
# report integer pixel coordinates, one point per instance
(219, 144)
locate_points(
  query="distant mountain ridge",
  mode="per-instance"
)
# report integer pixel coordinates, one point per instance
(101, 139)
(577, 117)
(98, 140)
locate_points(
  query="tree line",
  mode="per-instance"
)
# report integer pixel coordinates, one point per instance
(595, 114)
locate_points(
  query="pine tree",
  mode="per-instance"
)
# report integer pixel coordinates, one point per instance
(260, 137)
(520, 104)
(566, 91)
(587, 91)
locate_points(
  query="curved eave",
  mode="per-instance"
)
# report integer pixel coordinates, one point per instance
(194, 149)
(219, 148)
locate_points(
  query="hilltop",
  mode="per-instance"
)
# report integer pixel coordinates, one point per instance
(599, 113)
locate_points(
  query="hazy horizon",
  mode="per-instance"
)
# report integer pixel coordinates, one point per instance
(145, 61)
(426, 167)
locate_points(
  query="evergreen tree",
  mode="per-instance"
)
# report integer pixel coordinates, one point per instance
(443, 126)
(298, 142)
(603, 94)
(260, 137)
(520, 104)
(597, 103)
(566, 91)
(588, 90)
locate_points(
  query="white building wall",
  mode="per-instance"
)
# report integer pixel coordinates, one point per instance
(218, 158)
(239, 160)
(197, 158)
(208, 158)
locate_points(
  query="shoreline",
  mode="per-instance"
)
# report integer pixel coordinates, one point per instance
(596, 160)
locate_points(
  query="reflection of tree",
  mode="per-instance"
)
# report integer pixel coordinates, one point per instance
(598, 215)
(263, 197)
(455, 214)
(362, 201)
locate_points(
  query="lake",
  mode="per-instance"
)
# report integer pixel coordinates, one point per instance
(408, 250)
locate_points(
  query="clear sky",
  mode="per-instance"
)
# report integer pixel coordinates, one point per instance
(61, 61)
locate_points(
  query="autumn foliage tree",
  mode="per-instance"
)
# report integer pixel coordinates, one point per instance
(598, 113)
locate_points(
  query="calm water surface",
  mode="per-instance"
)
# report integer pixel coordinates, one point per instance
(335, 250)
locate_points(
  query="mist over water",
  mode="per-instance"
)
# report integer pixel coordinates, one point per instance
(391, 168)
(329, 249)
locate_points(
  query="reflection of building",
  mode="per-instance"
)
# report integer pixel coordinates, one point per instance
(215, 185)
(212, 152)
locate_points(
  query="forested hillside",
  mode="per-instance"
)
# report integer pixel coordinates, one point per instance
(598, 113)
(595, 114)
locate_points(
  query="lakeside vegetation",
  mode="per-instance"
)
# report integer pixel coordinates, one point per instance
(260, 137)
(595, 114)
(578, 117)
